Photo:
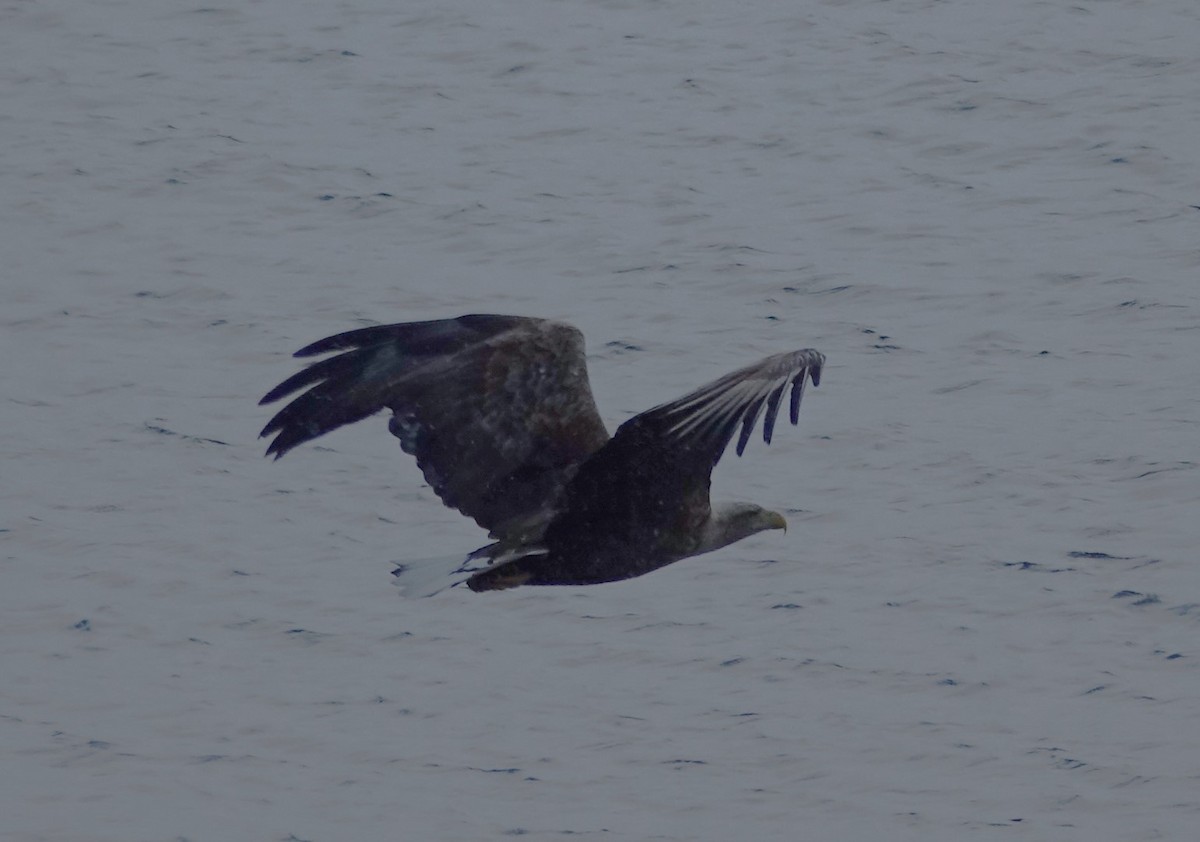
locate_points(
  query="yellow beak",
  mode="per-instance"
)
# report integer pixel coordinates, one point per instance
(774, 520)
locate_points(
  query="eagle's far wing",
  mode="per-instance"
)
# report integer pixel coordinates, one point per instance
(497, 409)
(652, 478)
(707, 418)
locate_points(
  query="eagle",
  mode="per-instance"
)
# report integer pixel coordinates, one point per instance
(498, 412)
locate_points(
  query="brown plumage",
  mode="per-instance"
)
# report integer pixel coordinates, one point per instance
(499, 413)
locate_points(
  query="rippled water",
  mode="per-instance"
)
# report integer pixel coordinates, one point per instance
(983, 618)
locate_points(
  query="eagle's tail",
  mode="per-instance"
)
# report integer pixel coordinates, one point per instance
(428, 576)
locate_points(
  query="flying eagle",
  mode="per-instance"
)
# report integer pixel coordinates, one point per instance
(499, 413)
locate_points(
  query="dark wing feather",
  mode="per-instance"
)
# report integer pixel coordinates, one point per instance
(707, 417)
(650, 483)
(497, 409)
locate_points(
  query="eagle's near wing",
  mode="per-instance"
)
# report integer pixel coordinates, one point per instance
(650, 483)
(497, 409)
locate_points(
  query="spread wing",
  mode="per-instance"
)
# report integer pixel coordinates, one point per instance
(705, 420)
(498, 410)
(652, 479)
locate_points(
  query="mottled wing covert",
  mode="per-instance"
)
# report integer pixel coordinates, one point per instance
(497, 409)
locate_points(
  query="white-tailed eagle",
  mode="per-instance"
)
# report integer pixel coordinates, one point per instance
(499, 413)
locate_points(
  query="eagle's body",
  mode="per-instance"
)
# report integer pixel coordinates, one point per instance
(499, 414)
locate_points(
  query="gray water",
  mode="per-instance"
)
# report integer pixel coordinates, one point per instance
(983, 620)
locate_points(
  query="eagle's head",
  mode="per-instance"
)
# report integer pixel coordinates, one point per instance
(734, 521)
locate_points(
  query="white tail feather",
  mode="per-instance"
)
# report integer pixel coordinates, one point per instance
(423, 577)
